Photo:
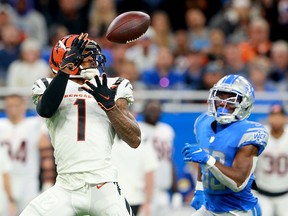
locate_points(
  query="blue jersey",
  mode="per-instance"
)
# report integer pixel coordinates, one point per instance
(224, 145)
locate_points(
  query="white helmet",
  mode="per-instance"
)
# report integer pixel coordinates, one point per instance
(243, 100)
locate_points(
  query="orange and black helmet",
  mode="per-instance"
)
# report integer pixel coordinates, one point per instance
(64, 45)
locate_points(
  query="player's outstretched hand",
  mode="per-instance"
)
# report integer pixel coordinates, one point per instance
(198, 199)
(74, 57)
(193, 153)
(104, 96)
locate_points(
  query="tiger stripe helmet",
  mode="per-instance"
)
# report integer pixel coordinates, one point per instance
(64, 45)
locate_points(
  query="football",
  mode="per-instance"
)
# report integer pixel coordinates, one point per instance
(128, 27)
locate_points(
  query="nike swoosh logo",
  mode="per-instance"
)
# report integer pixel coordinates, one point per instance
(100, 185)
(105, 97)
(200, 150)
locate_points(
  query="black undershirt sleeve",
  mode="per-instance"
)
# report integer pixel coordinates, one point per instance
(53, 95)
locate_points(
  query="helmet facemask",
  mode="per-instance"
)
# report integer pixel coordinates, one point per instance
(94, 50)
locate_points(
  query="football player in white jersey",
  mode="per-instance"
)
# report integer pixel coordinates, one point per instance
(83, 113)
(21, 136)
(162, 136)
(272, 166)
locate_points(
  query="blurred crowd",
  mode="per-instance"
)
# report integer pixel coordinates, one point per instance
(190, 44)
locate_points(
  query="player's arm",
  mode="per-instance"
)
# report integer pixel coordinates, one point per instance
(51, 98)
(8, 190)
(235, 177)
(149, 185)
(124, 123)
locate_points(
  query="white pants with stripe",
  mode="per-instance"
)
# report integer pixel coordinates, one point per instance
(93, 200)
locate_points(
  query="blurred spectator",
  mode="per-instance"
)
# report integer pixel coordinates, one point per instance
(181, 43)
(244, 11)
(56, 32)
(212, 73)
(73, 14)
(197, 30)
(21, 136)
(215, 50)
(101, 14)
(275, 12)
(209, 8)
(163, 35)
(30, 21)
(193, 74)
(279, 59)
(233, 18)
(144, 52)
(258, 42)
(129, 71)
(25, 71)
(117, 59)
(233, 63)
(258, 76)
(163, 75)
(9, 49)
(162, 136)
(7, 16)
(136, 179)
(271, 173)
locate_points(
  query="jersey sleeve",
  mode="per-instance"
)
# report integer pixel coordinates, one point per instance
(125, 90)
(38, 88)
(257, 136)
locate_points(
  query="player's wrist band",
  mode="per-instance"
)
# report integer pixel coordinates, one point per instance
(211, 162)
(199, 186)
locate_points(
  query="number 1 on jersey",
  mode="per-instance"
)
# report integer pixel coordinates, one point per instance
(81, 119)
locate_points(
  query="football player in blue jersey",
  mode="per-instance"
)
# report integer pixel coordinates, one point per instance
(227, 149)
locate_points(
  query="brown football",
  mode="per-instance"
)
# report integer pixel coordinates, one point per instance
(128, 27)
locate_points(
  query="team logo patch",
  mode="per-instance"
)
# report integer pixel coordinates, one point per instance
(259, 136)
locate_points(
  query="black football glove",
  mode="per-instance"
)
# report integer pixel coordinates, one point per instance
(74, 57)
(104, 96)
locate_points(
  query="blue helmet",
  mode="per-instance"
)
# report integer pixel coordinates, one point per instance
(243, 99)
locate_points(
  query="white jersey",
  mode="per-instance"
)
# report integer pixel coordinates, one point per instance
(82, 135)
(272, 166)
(162, 136)
(133, 165)
(21, 141)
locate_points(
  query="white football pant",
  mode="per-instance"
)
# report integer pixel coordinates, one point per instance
(93, 200)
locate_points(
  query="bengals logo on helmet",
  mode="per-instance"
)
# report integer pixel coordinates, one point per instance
(59, 51)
